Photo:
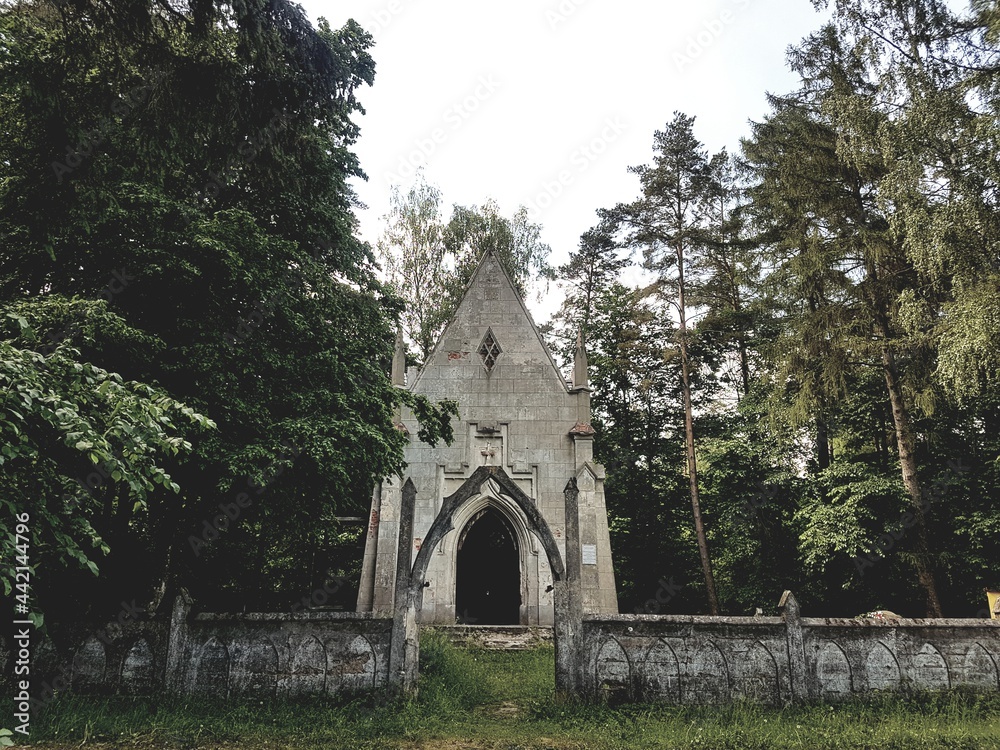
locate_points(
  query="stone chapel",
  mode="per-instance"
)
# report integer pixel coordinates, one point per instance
(516, 413)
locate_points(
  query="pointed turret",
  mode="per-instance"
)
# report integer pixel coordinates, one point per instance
(581, 380)
(581, 386)
(399, 361)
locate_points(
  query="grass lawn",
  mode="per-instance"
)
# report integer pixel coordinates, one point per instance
(480, 699)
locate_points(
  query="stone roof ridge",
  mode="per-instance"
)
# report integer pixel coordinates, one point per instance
(488, 253)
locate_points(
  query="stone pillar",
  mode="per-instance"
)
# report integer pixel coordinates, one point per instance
(386, 548)
(398, 375)
(568, 601)
(792, 616)
(366, 589)
(177, 642)
(404, 648)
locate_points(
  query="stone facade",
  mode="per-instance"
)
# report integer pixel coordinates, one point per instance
(516, 413)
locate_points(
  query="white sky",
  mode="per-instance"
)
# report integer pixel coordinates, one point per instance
(546, 103)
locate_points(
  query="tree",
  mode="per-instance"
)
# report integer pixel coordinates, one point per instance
(637, 413)
(415, 260)
(70, 428)
(933, 84)
(667, 222)
(516, 243)
(587, 275)
(189, 163)
(429, 263)
(730, 271)
(800, 199)
(833, 180)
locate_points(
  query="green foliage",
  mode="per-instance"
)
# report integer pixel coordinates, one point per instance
(754, 500)
(188, 163)
(73, 432)
(834, 520)
(515, 241)
(429, 262)
(417, 265)
(842, 277)
(585, 278)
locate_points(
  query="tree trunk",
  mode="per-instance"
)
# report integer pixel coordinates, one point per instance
(744, 366)
(822, 444)
(908, 466)
(706, 564)
(905, 444)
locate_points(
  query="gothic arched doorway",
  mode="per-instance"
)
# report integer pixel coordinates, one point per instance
(488, 572)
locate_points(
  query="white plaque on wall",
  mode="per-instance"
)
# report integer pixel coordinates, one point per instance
(590, 554)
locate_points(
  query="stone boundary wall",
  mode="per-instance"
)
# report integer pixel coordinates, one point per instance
(677, 659)
(259, 655)
(777, 660)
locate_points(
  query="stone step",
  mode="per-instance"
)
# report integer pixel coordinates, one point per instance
(496, 637)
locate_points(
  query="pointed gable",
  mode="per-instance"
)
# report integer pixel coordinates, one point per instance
(491, 344)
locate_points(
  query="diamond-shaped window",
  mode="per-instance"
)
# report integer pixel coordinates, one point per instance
(489, 350)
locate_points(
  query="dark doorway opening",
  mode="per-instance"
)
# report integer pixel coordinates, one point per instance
(488, 575)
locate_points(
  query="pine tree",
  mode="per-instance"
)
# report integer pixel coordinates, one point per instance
(668, 223)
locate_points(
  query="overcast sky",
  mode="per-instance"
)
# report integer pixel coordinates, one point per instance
(547, 103)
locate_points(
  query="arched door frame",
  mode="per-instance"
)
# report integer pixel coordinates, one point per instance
(491, 496)
(470, 491)
(567, 598)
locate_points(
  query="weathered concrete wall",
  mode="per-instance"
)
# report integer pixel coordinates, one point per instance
(775, 660)
(227, 655)
(269, 655)
(672, 659)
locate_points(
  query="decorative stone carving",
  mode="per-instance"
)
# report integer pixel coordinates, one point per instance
(833, 672)
(881, 668)
(212, 669)
(929, 669)
(89, 664)
(308, 672)
(755, 676)
(707, 677)
(255, 671)
(661, 673)
(613, 672)
(138, 675)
